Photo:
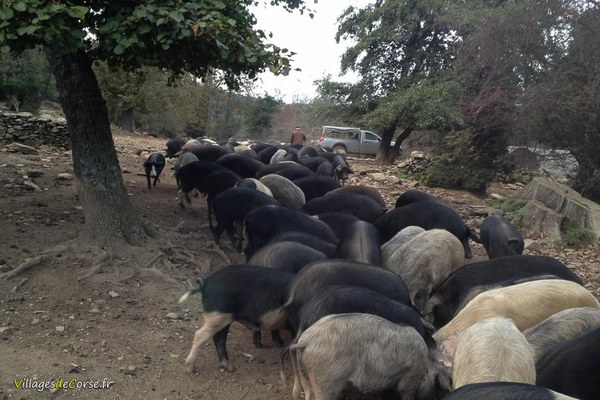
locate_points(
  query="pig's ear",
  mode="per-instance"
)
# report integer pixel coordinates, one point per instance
(433, 302)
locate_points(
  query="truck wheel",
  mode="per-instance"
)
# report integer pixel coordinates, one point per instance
(339, 148)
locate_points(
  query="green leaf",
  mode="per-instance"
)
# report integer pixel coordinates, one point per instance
(5, 49)
(140, 12)
(42, 16)
(26, 30)
(78, 33)
(8, 13)
(119, 49)
(78, 12)
(177, 17)
(145, 28)
(20, 6)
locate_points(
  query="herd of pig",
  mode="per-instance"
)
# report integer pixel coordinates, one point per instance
(381, 302)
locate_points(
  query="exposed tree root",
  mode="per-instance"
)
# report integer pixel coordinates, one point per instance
(105, 259)
(41, 259)
(216, 250)
(178, 253)
(151, 274)
(18, 285)
(155, 259)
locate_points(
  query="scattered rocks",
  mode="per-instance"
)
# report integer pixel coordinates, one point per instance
(130, 370)
(64, 176)
(172, 315)
(417, 163)
(31, 186)
(16, 147)
(35, 173)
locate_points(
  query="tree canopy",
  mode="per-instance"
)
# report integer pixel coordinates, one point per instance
(179, 36)
(477, 70)
(199, 38)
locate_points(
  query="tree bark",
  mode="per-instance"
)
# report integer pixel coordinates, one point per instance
(385, 154)
(386, 139)
(109, 215)
(127, 120)
(395, 151)
(587, 179)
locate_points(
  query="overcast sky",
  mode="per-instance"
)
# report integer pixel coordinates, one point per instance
(313, 40)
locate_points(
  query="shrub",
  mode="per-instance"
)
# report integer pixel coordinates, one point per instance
(574, 235)
(457, 173)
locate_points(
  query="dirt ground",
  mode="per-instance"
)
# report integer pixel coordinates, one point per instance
(133, 333)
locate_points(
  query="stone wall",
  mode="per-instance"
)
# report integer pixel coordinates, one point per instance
(550, 203)
(27, 129)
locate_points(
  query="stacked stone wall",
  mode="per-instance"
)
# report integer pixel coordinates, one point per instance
(26, 129)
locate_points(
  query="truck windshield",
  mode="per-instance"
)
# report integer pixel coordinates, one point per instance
(371, 136)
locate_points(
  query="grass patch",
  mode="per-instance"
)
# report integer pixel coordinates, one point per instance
(401, 174)
(510, 204)
(574, 235)
(514, 209)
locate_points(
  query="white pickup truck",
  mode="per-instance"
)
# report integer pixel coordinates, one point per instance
(349, 140)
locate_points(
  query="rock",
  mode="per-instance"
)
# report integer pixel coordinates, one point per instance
(417, 154)
(64, 176)
(130, 370)
(35, 321)
(172, 315)
(31, 186)
(496, 196)
(379, 177)
(94, 311)
(550, 203)
(532, 245)
(524, 158)
(4, 328)
(60, 328)
(113, 294)
(21, 148)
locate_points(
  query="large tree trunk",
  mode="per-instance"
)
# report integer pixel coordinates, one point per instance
(386, 139)
(127, 120)
(587, 179)
(394, 152)
(385, 154)
(109, 215)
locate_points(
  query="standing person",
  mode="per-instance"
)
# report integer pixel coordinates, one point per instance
(298, 138)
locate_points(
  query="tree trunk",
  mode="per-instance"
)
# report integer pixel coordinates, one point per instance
(587, 179)
(127, 120)
(395, 151)
(14, 102)
(385, 154)
(109, 215)
(386, 139)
